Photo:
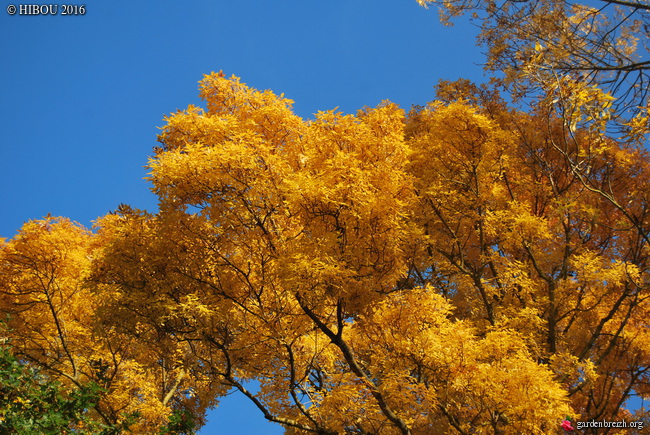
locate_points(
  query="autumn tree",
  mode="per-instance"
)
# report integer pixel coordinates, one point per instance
(583, 68)
(584, 62)
(464, 268)
(602, 43)
(561, 253)
(360, 268)
(53, 327)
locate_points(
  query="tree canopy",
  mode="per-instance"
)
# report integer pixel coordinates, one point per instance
(536, 44)
(466, 267)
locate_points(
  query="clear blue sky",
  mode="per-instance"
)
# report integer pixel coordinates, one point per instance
(82, 96)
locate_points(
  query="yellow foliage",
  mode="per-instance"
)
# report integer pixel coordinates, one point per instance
(51, 322)
(465, 268)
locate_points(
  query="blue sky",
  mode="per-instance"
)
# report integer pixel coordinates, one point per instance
(82, 96)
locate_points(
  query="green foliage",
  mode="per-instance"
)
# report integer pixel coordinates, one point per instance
(31, 403)
(181, 422)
